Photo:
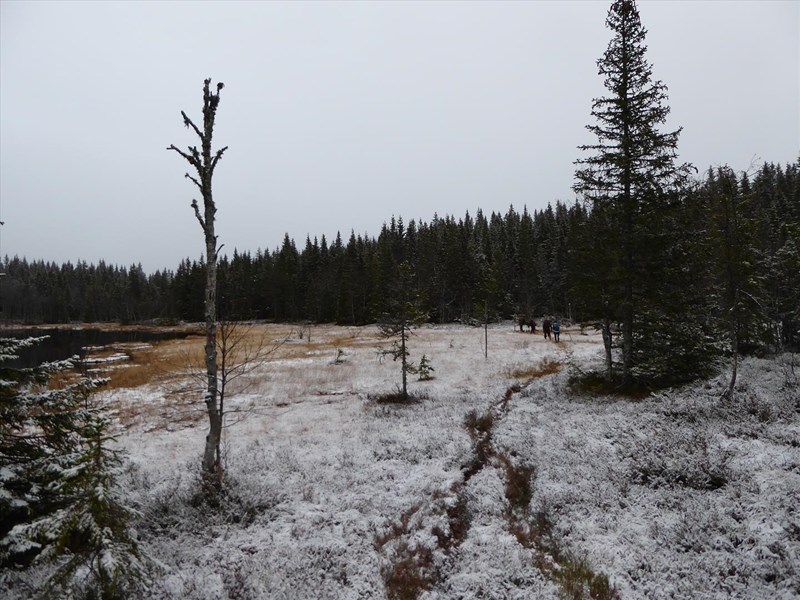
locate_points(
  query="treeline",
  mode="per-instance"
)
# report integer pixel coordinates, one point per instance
(518, 261)
(501, 264)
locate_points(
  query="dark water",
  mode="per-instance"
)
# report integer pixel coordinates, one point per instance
(63, 343)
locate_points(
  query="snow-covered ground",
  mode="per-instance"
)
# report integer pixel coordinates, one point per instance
(333, 495)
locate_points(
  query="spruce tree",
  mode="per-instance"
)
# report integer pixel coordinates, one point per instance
(775, 211)
(741, 311)
(39, 429)
(58, 499)
(632, 176)
(403, 314)
(594, 272)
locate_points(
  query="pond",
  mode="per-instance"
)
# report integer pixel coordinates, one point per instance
(65, 342)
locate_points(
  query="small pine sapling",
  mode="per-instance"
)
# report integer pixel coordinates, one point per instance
(339, 358)
(94, 544)
(425, 369)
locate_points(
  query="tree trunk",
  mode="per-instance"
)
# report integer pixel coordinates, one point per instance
(629, 206)
(204, 163)
(486, 330)
(213, 439)
(734, 333)
(627, 334)
(403, 355)
(607, 339)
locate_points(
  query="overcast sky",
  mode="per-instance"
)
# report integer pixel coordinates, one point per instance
(339, 115)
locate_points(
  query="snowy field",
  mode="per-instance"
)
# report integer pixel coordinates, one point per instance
(334, 495)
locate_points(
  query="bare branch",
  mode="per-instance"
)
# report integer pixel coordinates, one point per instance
(188, 122)
(216, 158)
(197, 214)
(197, 183)
(192, 159)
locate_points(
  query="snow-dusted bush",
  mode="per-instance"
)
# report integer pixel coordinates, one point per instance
(680, 494)
(684, 455)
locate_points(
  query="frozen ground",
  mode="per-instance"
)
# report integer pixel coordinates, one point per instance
(336, 496)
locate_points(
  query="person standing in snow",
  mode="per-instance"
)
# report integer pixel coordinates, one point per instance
(546, 325)
(533, 326)
(556, 329)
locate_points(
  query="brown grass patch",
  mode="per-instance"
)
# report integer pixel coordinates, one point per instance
(545, 367)
(184, 411)
(173, 359)
(478, 425)
(349, 341)
(162, 361)
(413, 568)
(412, 573)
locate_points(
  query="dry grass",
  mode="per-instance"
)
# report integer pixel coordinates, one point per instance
(173, 360)
(160, 362)
(177, 366)
(518, 483)
(546, 367)
(183, 410)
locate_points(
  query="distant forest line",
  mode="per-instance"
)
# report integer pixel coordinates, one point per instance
(503, 265)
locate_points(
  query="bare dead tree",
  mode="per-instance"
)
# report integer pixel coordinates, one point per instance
(204, 163)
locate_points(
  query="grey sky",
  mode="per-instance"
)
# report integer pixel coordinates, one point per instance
(340, 115)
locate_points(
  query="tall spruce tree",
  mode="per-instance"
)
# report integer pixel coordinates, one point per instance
(632, 176)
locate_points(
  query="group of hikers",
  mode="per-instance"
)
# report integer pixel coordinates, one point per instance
(551, 328)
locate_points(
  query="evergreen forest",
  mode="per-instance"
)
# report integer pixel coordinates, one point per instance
(674, 268)
(517, 263)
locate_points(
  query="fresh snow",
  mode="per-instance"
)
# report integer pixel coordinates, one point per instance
(678, 495)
